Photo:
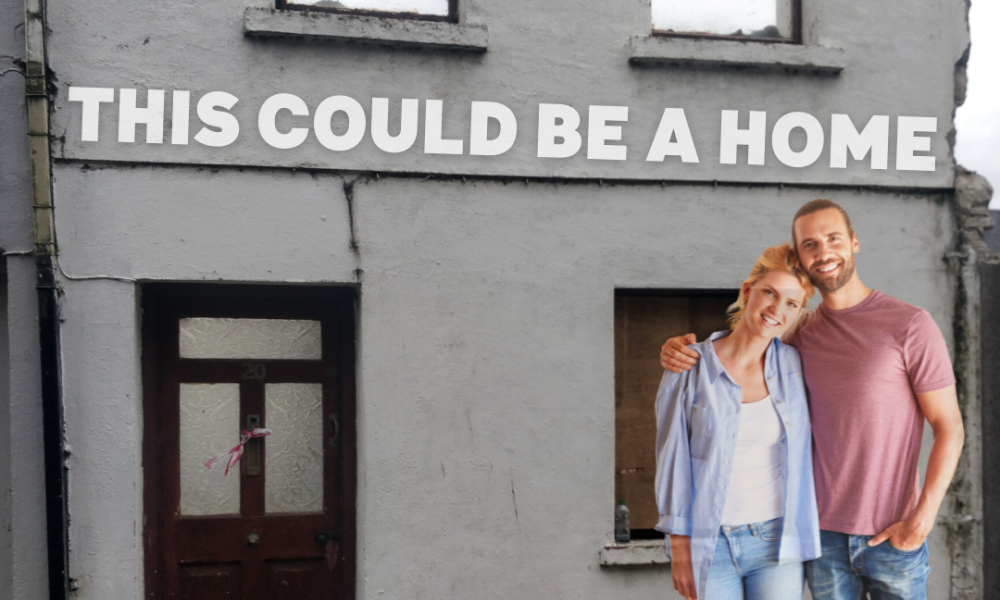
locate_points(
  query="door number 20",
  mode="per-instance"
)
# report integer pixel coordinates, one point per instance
(253, 370)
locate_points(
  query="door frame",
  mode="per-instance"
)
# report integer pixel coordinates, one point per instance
(159, 301)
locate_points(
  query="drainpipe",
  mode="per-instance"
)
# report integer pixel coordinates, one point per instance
(56, 513)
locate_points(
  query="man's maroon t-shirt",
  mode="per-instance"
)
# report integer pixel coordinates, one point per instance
(863, 366)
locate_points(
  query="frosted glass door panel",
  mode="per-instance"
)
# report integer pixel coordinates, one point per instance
(294, 450)
(210, 424)
(281, 339)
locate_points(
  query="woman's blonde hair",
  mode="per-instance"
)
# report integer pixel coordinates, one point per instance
(775, 258)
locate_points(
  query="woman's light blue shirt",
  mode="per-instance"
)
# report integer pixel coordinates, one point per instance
(697, 420)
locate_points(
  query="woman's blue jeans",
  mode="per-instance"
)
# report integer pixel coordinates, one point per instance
(745, 565)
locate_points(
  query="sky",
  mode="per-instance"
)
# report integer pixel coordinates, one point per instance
(978, 120)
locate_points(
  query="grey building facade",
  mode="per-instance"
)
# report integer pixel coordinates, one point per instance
(471, 274)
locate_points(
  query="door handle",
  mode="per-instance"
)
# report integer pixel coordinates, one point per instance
(323, 538)
(254, 446)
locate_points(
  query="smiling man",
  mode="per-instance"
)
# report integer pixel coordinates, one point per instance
(876, 368)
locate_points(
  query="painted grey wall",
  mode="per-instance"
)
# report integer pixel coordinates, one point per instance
(27, 482)
(15, 188)
(990, 300)
(487, 362)
(6, 544)
(900, 61)
(197, 224)
(102, 394)
(23, 571)
(486, 380)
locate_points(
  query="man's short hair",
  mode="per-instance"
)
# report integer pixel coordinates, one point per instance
(815, 206)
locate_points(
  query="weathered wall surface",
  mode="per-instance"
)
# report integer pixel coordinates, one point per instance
(486, 367)
(6, 546)
(103, 399)
(28, 568)
(991, 422)
(486, 380)
(486, 375)
(551, 52)
(200, 224)
(22, 486)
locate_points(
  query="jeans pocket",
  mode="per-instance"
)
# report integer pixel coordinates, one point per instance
(904, 552)
(770, 531)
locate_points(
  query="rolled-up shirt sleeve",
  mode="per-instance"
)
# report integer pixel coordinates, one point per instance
(673, 456)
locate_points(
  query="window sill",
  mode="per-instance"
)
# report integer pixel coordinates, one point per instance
(634, 553)
(732, 54)
(266, 22)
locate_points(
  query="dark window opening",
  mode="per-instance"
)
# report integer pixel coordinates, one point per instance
(644, 319)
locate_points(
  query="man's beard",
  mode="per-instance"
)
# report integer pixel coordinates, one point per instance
(828, 286)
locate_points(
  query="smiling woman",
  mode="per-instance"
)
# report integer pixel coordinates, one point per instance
(734, 480)
(785, 277)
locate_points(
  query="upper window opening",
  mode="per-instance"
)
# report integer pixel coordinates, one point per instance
(416, 9)
(765, 20)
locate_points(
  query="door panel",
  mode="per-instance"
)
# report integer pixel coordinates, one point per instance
(296, 580)
(280, 524)
(223, 581)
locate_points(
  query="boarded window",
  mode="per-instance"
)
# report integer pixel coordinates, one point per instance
(643, 321)
(765, 19)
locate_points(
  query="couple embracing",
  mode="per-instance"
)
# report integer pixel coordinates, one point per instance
(760, 485)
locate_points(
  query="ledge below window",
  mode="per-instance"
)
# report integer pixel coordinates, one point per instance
(731, 54)
(634, 553)
(266, 22)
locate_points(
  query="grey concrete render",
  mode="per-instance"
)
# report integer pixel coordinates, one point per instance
(187, 224)
(22, 492)
(550, 52)
(485, 347)
(485, 354)
(25, 563)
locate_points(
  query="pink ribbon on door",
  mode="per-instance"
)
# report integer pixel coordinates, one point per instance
(237, 451)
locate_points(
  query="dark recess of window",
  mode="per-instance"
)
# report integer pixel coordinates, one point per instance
(644, 319)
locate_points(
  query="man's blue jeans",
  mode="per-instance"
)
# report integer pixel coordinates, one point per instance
(849, 567)
(745, 566)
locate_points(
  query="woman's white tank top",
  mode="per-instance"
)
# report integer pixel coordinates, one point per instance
(755, 488)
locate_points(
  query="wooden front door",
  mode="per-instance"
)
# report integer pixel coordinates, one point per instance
(221, 362)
